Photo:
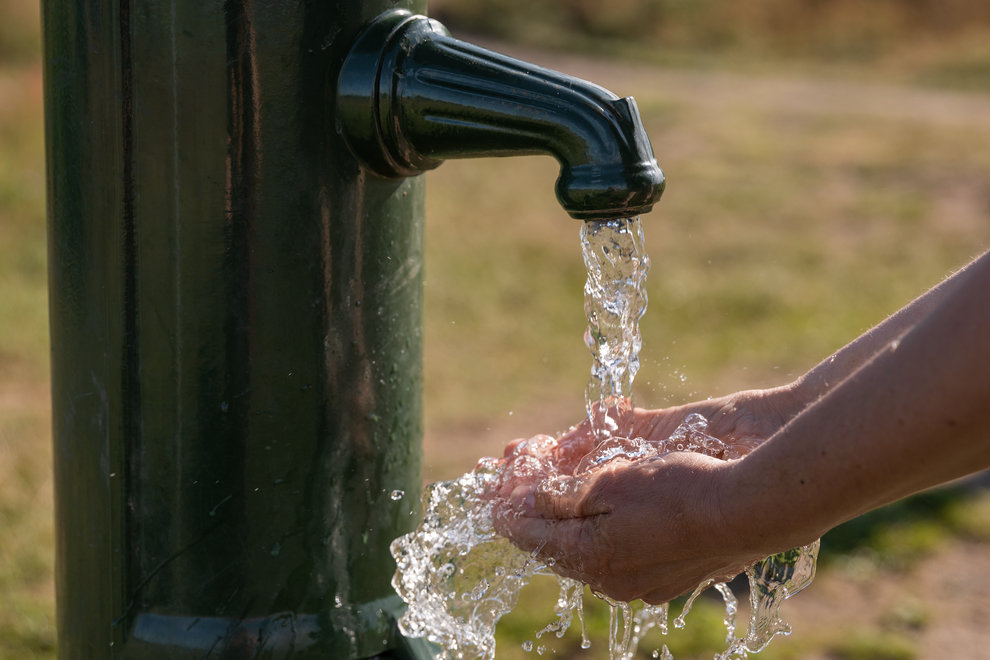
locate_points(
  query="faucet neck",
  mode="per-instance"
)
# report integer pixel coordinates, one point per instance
(411, 96)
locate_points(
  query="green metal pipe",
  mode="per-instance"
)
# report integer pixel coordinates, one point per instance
(236, 336)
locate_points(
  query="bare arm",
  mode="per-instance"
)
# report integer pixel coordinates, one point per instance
(914, 415)
(841, 364)
(748, 418)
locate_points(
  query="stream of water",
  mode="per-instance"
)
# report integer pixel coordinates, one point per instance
(459, 577)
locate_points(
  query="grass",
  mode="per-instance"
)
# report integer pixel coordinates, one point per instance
(26, 557)
(25, 505)
(897, 536)
(870, 645)
(705, 630)
(785, 231)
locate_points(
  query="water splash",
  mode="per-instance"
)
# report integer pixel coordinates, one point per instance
(458, 577)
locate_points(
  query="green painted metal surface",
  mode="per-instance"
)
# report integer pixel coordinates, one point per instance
(235, 311)
(411, 96)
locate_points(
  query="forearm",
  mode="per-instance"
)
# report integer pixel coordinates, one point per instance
(838, 366)
(913, 416)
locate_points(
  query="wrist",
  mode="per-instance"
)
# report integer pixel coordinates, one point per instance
(759, 511)
(787, 401)
(808, 388)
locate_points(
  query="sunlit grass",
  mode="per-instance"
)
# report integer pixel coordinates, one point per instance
(871, 645)
(27, 614)
(704, 633)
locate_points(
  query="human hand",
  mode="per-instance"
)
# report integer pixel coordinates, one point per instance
(742, 420)
(647, 529)
(552, 499)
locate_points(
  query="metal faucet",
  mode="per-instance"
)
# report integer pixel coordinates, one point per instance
(410, 96)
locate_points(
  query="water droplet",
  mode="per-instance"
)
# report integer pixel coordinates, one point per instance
(527, 645)
(397, 495)
(480, 590)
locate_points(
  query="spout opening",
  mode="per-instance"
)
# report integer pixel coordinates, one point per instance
(590, 192)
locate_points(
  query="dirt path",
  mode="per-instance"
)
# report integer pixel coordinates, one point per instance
(941, 606)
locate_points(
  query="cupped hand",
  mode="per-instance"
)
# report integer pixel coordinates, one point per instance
(742, 420)
(647, 529)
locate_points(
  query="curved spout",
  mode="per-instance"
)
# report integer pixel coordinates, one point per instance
(410, 96)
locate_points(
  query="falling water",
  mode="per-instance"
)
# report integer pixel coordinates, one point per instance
(614, 301)
(459, 577)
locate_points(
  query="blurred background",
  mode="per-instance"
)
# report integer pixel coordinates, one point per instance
(827, 161)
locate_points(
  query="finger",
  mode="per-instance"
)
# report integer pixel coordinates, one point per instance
(531, 505)
(579, 430)
(557, 497)
(656, 424)
(549, 538)
(683, 585)
(571, 448)
(523, 469)
(538, 445)
(548, 517)
(512, 447)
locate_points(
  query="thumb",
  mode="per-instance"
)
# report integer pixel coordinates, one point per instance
(528, 520)
(559, 497)
(533, 512)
